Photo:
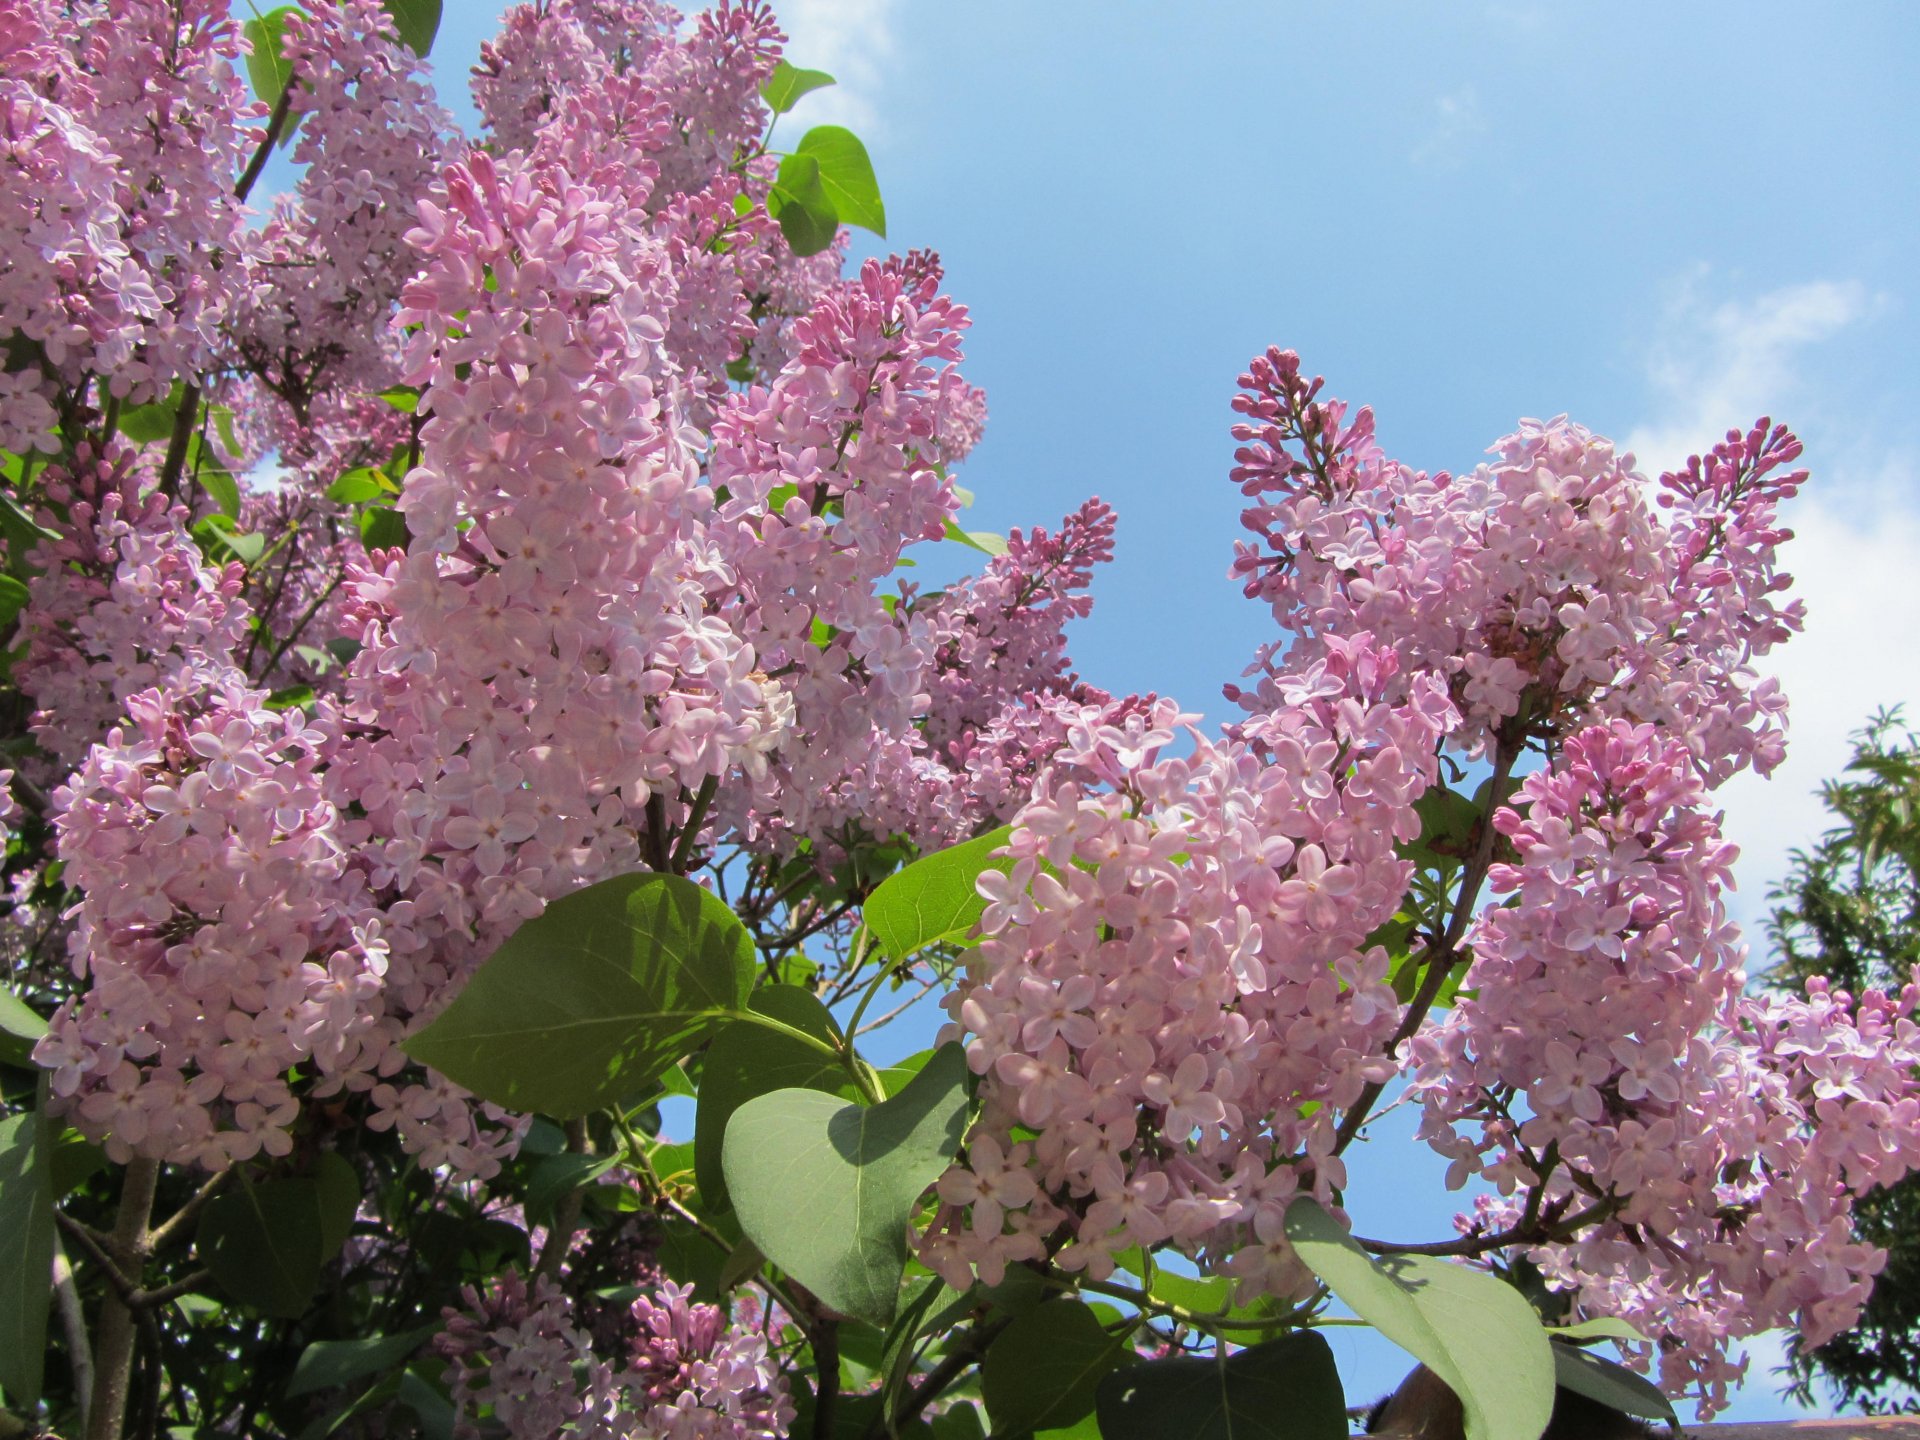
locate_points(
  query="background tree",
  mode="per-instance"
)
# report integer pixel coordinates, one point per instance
(1850, 910)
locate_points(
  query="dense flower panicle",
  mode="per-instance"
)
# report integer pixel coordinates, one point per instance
(689, 1374)
(600, 611)
(1000, 637)
(1608, 1051)
(122, 247)
(1175, 992)
(999, 697)
(706, 74)
(331, 258)
(123, 601)
(221, 935)
(1544, 580)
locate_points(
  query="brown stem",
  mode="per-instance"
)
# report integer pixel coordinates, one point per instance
(825, 1336)
(114, 1336)
(73, 1325)
(95, 1245)
(177, 1225)
(277, 122)
(1540, 1231)
(148, 1300)
(659, 858)
(690, 831)
(184, 422)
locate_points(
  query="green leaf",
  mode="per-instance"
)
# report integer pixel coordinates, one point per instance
(846, 175)
(692, 1258)
(798, 200)
(20, 1030)
(1043, 1369)
(26, 1257)
(219, 484)
(405, 398)
(826, 1190)
(746, 1060)
(896, 1077)
(292, 697)
(337, 1186)
(328, 1364)
(266, 67)
(782, 89)
(742, 1264)
(1606, 1327)
(1286, 1388)
(357, 486)
(1474, 1331)
(985, 541)
(384, 528)
(896, 1355)
(265, 1244)
(417, 22)
(557, 1176)
(595, 998)
(429, 1404)
(222, 417)
(147, 424)
(71, 1160)
(933, 899)
(958, 1422)
(1613, 1386)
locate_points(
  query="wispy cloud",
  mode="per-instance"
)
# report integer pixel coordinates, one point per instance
(1718, 365)
(1456, 122)
(1857, 529)
(853, 41)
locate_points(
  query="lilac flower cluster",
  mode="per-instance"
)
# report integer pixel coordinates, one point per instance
(689, 1374)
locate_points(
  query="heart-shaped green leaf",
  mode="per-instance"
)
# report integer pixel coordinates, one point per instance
(846, 174)
(934, 898)
(1282, 1389)
(1475, 1332)
(746, 1060)
(594, 999)
(827, 1189)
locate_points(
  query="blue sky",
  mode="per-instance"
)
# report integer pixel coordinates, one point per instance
(1663, 220)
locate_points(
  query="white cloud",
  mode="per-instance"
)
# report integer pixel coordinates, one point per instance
(853, 41)
(1857, 531)
(1457, 120)
(1728, 364)
(1856, 654)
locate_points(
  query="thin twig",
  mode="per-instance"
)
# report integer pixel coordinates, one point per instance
(690, 829)
(175, 1228)
(73, 1325)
